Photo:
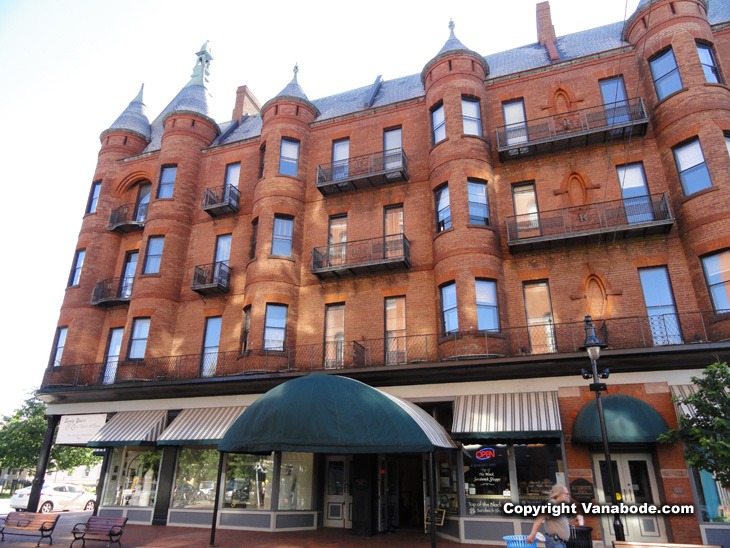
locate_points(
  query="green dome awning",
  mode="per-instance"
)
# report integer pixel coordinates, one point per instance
(628, 420)
(331, 414)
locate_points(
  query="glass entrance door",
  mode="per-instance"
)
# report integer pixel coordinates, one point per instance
(337, 495)
(636, 482)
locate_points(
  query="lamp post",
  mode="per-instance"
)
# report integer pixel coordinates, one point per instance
(593, 347)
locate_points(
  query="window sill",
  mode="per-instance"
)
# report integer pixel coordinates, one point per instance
(699, 193)
(483, 227)
(93, 213)
(443, 232)
(717, 85)
(472, 136)
(670, 96)
(73, 286)
(282, 257)
(446, 337)
(720, 317)
(250, 261)
(285, 176)
(493, 334)
(444, 140)
(164, 199)
(151, 275)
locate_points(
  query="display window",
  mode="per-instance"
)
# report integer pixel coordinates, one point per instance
(295, 481)
(195, 478)
(539, 466)
(714, 499)
(448, 488)
(132, 477)
(248, 481)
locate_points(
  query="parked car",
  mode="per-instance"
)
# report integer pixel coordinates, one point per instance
(55, 496)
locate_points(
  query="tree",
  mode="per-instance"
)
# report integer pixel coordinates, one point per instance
(21, 437)
(706, 433)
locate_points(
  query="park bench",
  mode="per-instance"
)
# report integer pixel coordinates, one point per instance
(99, 529)
(28, 524)
(629, 544)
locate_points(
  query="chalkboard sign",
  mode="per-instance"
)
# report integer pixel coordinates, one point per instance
(440, 517)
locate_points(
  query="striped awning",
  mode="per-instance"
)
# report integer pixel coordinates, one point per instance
(682, 391)
(524, 415)
(200, 426)
(131, 428)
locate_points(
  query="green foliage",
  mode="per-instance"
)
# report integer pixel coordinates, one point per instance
(196, 465)
(706, 435)
(21, 437)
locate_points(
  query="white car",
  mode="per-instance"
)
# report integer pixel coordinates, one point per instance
(55, 496)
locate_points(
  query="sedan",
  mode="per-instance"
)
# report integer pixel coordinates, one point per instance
(55, 496)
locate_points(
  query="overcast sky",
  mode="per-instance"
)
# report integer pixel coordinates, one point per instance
(72, 66)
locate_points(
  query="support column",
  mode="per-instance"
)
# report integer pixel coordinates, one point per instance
(43, 458)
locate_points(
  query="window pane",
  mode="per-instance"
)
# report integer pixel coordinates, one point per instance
(154, 254)
(167, 182)
(692, 168)
(248, 481)
(281, 242)
(537, 302)
(78, 265)
(438, 124)
(233, 172)
(223, 248)
(275, 327)
(132, 480)
(487, 310)
(689, 155)
(449, 309)
(392, 139)
(443, 210)
(478, 211)
(537, 467)
(93, 198)
(709, 66)
(195, 479)
(140, 332)
(612, 90)
(212, 334)
(632, 180)
(296, 481)
(486, 478)
(486, 292)
(393, 221)
(471, 116)
(717, 272)
(60, 343)
(655, 283)
(289, 157)
(666, 75)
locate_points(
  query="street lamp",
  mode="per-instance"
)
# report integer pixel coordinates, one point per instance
(593, 346)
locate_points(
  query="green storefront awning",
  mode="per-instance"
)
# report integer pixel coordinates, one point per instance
(628, 420)
(331, 414)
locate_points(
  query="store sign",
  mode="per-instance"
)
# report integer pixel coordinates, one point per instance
(485, 453)
(582, 490)
(78, 429)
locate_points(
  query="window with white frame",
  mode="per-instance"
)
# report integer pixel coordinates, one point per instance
(709, 64)
(153, 256)
(487, 308)
(167, 182)
(717, 275)
(289, 157)
(275, 327)
(449, 312)
(443, 208)
(58, 345)
(75, 276)
(471, 116)
(438, 123)
(665, 73)
(478, 204)
(138, 341)
(93, 197)
(693, 173)
(281, 242)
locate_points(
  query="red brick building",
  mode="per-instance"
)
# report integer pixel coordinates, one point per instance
(439, 236)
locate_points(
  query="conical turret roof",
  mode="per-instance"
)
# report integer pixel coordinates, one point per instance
(292, 92)
(134, 119)
(453, 45)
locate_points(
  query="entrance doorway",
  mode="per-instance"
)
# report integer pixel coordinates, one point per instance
(636, 481)
(401, 492)
(338, 494)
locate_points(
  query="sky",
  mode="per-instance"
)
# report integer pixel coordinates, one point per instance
(72, 66)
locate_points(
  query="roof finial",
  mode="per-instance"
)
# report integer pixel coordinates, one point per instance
(296, 70)
(451, 28)
(139, 99)
(202, 67)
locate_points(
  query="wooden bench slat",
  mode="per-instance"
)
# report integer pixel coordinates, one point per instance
(99, 529)
(29, 524)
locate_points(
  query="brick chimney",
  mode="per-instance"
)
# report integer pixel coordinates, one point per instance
(246, 103)
(546, 31)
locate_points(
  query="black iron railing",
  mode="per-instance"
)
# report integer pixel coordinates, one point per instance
(393, 351)
(212, 275)
(361, 252)
(393, 164)
(128, 214)
(576, 122)
(601, 216)
(113, 289)
(226, 197)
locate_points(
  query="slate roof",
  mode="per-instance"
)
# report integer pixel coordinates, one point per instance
(133, 119)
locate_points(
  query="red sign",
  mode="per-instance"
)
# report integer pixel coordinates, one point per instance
(485, 453)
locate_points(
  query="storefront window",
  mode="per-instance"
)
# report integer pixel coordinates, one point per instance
(538, 466)
(195, 480)
(132, 477)
(295, 482)
(248, 481)
(486, 478)
(448, 486)
(714, 499)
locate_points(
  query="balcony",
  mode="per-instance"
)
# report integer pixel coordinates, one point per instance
(128, 218)
(608, 122)
(221, 200)
(614, 220)
(630, 339)
(212, 278)
(112, 291)
(367, 171)
(361, 256)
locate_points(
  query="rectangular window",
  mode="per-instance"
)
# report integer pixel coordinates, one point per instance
(660, 307)
(138, 343)
(113, 351)
(478, 206)
(665, 74)
(717, 274)
(692, 168)
(727, 143)
(275, 327)
(93, 197)
(137, 485)
(75, 276)
(246, 328)
(392, 231)
(487, 308)
(613, 93)
(289, 157)
(254, 236)
(471, 116)
(539, 312)
(527, 218)
(167, 182)
(714, 499)
(395, 331)
(143, 202)
(249, 482)
(340, 158)
(281, 243)
(709, 65)
(515, 121)
(223, 248)
(438, 124)
(153, 256)
(392, 147)
(334, 335)
(337, 241)
(449, 313)
(262, 158)
(195, 480)
(58, 345)
(637, 202)
(211, 340)
(296, 481)
(233, 173)
(443, 208)
(130, 268)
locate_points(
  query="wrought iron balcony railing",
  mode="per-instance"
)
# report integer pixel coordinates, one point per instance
(221, 200)
(364, 171)
(372, 255)
(398, 350)
(624, 218)
(113, 291)
(618, 120)
(212, 278)
(128, 218)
